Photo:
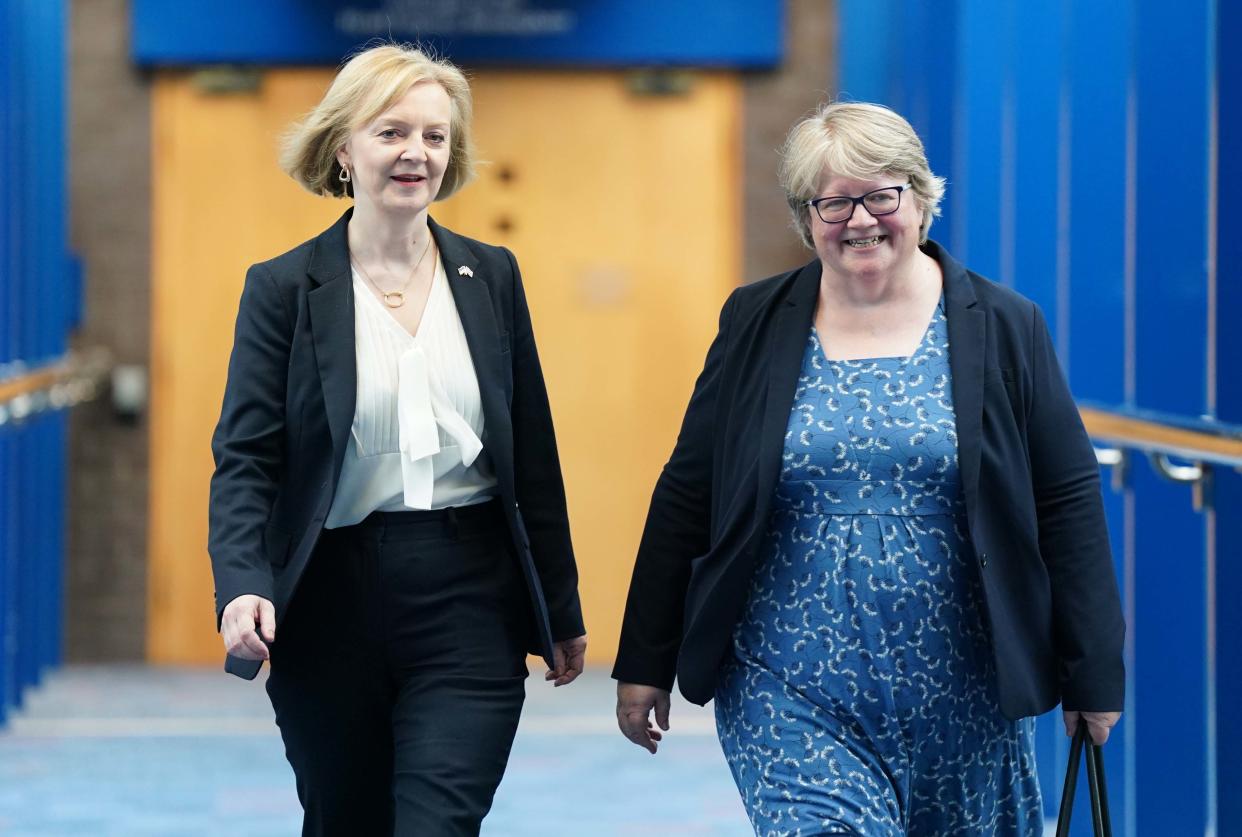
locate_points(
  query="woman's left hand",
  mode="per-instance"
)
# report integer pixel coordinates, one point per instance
(1098, 723)
(568, 656)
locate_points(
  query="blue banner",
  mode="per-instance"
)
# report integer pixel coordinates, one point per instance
(557, 33)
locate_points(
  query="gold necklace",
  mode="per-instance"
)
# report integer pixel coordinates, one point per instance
(394, 299)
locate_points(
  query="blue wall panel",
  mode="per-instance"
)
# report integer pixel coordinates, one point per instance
(1096, 75)
(979, 160)
(871, 64)
(8, 580)
(1092, 305)
(1081, 171)
(1033, 160)
(1171, 77)
(1228, 220)
(7, 206)
(1227, 523)
(10, 102)
(1227, 657)
(7, 184)
(930, 38)
(55, 497)
(26, 556)
(35, 313)
(1171, 782)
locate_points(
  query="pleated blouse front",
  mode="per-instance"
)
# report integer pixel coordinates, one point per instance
(418, 420)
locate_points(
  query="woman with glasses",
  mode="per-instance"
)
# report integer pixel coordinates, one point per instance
(384, 417)
(879, 543)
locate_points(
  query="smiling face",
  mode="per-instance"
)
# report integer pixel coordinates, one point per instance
(867, 246)
(397, 160)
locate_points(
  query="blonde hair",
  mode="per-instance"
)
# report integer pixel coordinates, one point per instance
(857, 140)
(371, 82)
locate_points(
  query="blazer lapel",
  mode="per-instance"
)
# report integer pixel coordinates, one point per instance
(478, 321)
(332, 330)
(790, 326)
(968, 331)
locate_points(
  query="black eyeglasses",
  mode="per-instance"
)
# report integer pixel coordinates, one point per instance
(836, 209)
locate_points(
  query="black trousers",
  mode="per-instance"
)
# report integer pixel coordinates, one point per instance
(398, 673)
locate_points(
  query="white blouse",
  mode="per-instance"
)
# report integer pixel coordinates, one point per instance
(418, 420)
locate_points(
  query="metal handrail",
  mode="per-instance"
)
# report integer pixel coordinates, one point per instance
(62, 383)
(1110, 456)
(1173, 472)
(1162, 436)
(1204, 443)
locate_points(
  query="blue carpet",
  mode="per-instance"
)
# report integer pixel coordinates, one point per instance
(130, 750)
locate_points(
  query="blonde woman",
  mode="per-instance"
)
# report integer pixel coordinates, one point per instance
(879, 543)
(388, 525)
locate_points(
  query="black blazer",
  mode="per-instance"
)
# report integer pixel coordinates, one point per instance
(289, 405)
(1029, 476)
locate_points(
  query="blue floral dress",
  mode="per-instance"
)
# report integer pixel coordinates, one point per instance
(860, 696)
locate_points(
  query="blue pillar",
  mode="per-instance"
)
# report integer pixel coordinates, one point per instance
(35, 302)
(1097, 73)
(1226, 533)
(7, 271)
(981, 177)
(1172, 72)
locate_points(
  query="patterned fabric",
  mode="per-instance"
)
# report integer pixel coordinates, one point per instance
(860, 696)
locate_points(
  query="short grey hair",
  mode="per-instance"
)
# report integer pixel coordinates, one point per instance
(857, 140)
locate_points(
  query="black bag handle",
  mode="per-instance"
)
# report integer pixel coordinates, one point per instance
(1100, 818)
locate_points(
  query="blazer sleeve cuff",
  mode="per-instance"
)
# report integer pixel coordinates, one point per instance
(624, 674)
(255, 582)
(1104, 690)
(645, 670)
(567, 622)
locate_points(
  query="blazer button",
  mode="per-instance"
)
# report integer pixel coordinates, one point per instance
(983, 559)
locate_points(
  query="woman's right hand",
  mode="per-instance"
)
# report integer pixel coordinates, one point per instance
(238, 623)
(634, 705)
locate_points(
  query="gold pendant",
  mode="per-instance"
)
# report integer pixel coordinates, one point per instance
(397, 295)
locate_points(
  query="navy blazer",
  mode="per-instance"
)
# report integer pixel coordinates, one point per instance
(1029, 476)
(289, 405)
